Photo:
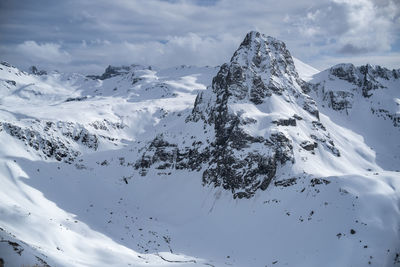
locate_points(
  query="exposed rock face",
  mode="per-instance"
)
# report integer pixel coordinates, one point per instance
(164, 155)
(79, 134)
(6, 64)
(34, 70)
(385, 114)
(53, 140)
(241, 171)
(81, 98)
(112, 71)
(339, 100)
(11, 82)
(285, 122)
(365, 77)
(309, 146)
(106, 125)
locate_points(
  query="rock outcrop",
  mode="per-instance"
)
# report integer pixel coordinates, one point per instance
(53, 140)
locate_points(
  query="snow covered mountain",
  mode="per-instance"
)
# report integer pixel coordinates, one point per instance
(263, 161)
(364, 99)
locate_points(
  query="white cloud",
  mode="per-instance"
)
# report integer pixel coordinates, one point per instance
(351, 26)
(369, 30)
(175, 50)
(49, 52)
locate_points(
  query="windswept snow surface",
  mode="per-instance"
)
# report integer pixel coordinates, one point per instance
(70, 195)
(306, 72)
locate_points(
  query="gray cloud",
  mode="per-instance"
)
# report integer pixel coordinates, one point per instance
(351, 49)
(85, 36)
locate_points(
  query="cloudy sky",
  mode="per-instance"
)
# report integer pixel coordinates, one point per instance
(86, 36)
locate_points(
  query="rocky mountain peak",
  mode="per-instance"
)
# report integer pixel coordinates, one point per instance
(112, 71)
(264, 53)
(260, 67)
(260, 74)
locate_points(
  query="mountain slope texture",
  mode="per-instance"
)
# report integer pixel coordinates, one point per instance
(263, 161)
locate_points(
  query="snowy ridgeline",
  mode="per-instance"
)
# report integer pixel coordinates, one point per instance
(263, 161)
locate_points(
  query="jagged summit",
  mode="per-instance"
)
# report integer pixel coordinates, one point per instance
(265, 53)
(260, 67)
(112, 71)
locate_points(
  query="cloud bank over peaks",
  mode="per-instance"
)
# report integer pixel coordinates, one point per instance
(86, 36)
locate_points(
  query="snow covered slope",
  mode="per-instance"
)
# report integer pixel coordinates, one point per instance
(305, 71)
(247, 164)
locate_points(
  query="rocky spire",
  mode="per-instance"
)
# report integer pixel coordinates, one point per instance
(261, 73)
(261, 66)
